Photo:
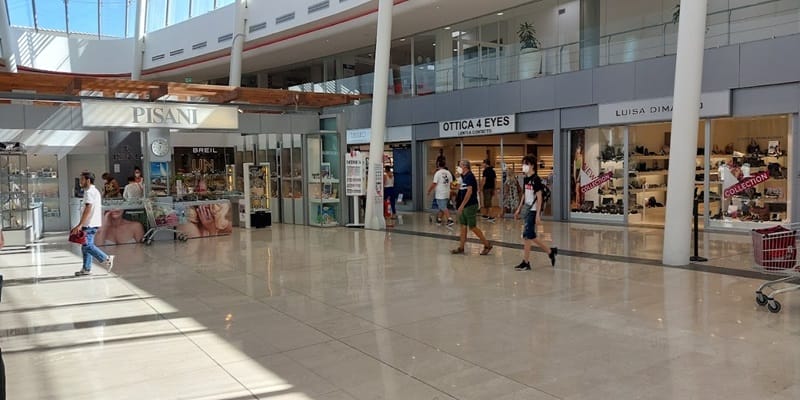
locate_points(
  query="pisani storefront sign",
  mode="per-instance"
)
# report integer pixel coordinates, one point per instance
(478, 126)
(716, 104)
(126, 114)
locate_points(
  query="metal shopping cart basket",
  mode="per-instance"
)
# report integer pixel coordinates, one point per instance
(775, 252)
(162, 217)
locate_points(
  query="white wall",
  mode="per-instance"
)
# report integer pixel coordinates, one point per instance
(57, 52)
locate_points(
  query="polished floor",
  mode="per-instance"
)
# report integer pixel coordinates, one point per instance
(305, 313)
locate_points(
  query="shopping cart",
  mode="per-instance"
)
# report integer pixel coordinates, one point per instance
(162, 217)
(775, 252)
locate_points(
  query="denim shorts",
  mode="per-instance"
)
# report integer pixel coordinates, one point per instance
(441, 204)
(529, 232)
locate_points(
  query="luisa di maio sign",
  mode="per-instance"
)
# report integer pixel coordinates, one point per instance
(127, 114)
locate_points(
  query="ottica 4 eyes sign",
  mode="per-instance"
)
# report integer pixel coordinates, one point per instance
(478, 126)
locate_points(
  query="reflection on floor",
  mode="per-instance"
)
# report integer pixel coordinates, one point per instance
(305, 313)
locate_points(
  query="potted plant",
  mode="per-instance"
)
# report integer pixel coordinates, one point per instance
(530, 59)
(676, 14)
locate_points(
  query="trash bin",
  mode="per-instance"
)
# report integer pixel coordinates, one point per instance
(261, 219)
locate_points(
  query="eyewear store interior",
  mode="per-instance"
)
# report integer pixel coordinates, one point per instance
(619, 174)
(505, 153)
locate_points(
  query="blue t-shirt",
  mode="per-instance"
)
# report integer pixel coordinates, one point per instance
(468, 180)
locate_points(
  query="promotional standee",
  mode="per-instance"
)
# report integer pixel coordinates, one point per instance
(355, 182)
(255, 211)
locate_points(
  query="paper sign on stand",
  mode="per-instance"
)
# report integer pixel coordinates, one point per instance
(355, 181)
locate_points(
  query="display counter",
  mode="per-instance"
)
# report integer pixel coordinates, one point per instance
(126, 222)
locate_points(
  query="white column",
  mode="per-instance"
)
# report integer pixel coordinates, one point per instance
(239, 22)
(7, 40)
(373, 218)
(685, 119)
(138, 40)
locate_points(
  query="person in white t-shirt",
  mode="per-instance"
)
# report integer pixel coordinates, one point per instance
(442, 180)
(133, 190)
(91, 221)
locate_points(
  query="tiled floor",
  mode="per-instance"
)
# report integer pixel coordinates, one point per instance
(305, 313)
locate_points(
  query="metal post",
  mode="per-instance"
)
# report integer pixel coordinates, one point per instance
(380, 92)
(685, 119)
(6, 40)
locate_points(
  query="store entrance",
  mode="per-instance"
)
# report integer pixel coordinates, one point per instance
(397, 157)
(504, 153)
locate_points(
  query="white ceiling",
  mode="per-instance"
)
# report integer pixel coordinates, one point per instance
(411, 17)
(55, 142)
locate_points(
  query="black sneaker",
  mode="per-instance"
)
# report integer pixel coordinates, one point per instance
(490, 219)
(485, 216)
(552, 255)
(450, 222)
(83, 272)
(523, 266)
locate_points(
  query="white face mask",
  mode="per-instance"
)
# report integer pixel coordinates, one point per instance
(460, 170)
(526, 168)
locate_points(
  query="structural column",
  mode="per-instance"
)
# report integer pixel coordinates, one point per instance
(138, 40)
(239, 23)
(590, 34)
(685, 119)
(374, 212)
(7, 40)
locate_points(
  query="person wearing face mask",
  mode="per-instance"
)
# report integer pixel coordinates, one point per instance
(467, 202)
(137, 175)
(532, 204)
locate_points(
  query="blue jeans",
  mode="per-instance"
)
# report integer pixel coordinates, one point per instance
(89, 250)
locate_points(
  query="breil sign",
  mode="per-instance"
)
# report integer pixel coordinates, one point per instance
(126, 114)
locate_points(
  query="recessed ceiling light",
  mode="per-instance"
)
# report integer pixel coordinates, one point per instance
(434, 44)
(447, 28)
(403, 39)
(500, 13)
(455, 50)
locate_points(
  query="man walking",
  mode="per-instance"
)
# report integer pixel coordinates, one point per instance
(532, 203)
(91, 220)
(489, 178)
(468, 208)
(441, 183)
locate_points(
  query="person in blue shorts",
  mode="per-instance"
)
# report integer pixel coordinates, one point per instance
(531, 203)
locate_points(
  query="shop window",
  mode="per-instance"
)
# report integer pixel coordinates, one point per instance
(598, 174)
(748, 179)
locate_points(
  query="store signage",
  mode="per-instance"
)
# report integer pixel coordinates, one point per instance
(393, 134)
(593, 183)
(124, 114)
(716, 104)
(355, 174)
(747, 183)
(478, 126)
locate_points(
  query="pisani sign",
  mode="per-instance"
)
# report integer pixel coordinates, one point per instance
(126, 114)
(478, 126)
(716, 104)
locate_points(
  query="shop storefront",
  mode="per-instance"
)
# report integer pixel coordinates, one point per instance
(619, 170)
(498, 140)
(397, 157)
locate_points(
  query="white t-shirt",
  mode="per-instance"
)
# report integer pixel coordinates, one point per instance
(92, 196)
(442, 178)
(133, 191)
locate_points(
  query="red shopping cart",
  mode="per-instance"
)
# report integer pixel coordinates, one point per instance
(775, 252)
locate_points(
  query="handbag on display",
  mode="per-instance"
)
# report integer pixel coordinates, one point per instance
(753, 147)
(78, 238)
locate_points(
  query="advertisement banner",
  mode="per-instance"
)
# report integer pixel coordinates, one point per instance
(734, 186)
(355, 174)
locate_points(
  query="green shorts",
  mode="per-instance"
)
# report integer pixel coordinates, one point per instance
(469, 217)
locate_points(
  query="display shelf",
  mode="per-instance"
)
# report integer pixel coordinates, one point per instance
(644, 158)
(651, 173)
(648, 190)
(325, 201)
(323, 181)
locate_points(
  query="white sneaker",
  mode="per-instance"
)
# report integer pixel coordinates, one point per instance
(109, 263)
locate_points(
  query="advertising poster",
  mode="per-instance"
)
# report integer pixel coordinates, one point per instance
(203, 219)
(159, 178)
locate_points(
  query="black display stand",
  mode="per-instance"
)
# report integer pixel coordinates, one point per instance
(696, 257)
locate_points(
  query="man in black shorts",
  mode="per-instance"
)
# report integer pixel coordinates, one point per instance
(532, 203)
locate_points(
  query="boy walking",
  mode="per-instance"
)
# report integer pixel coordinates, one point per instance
(532, 202)
(441, 183)
(91, 220)
(468, 208)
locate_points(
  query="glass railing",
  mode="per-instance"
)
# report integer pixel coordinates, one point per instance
(764, 20)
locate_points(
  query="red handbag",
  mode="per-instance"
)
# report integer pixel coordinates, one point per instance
(78, 238)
